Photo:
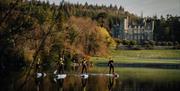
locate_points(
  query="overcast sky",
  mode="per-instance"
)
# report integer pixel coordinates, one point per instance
(148, 7)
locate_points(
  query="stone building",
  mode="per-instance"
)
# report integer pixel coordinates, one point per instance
(137, 32)
(118, 30)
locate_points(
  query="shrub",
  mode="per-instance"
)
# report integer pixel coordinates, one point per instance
(164, 43)
(170, 43)
(177, 47)
(151, 42)
(145, 43)
(132, 42)
(158, 43)
(176, 43)
(125, 42)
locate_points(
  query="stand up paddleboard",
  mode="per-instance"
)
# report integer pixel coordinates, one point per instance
(59, 76)
(85, 76)
(40, 75)
(113, 75)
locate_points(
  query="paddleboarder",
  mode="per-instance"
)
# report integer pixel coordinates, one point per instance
(111, 66)
(38, 65)
(84, 65)
(60, 64)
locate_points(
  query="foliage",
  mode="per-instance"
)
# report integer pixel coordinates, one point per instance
(126, 42)
(87, 36)
(106, 36)
(167, 29)
(132, 43)
(34, 29)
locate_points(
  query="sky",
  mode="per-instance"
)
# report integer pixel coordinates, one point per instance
(138, 7)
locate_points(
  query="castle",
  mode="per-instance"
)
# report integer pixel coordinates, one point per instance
(138, 32)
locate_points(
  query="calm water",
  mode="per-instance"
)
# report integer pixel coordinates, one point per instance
(129, 80)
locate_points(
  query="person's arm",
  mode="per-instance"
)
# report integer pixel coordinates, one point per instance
(86, 62)
(82, 62)
(112, 62)
(57, 63)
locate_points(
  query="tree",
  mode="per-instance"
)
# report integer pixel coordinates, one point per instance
(72, 34)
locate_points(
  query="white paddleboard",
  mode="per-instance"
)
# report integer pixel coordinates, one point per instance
(39, 75)
(101, 74)
(59, 76)
(85, 76)
(113, 75)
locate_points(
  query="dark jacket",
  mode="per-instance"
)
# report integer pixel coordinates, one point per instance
(111, 63)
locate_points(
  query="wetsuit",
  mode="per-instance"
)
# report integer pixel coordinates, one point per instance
(111, 66)
(38, 67)
(61, 66)
(84, 66)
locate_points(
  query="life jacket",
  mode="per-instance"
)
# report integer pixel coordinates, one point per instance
(38, 66)
(61, 62)
(84, 62)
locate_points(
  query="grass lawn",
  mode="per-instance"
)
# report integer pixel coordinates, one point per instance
(141, 56)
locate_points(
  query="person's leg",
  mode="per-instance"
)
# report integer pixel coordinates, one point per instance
(62, 69)
(58, 71)
(38, 69)
(86, 69)
(82, 69)
(113, 69)
(110, 70)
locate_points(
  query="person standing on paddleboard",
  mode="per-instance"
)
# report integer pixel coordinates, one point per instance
(60, 64)
(111, 66)
(84, 65)
(38, 66)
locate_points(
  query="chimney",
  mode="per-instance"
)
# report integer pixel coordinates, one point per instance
(126, 23)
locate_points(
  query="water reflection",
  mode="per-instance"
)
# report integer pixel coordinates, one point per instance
(59, 84)
(39, 84)
(83, 83)
(111, 83)
(74, 82)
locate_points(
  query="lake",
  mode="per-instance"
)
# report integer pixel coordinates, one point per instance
(130, 79)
